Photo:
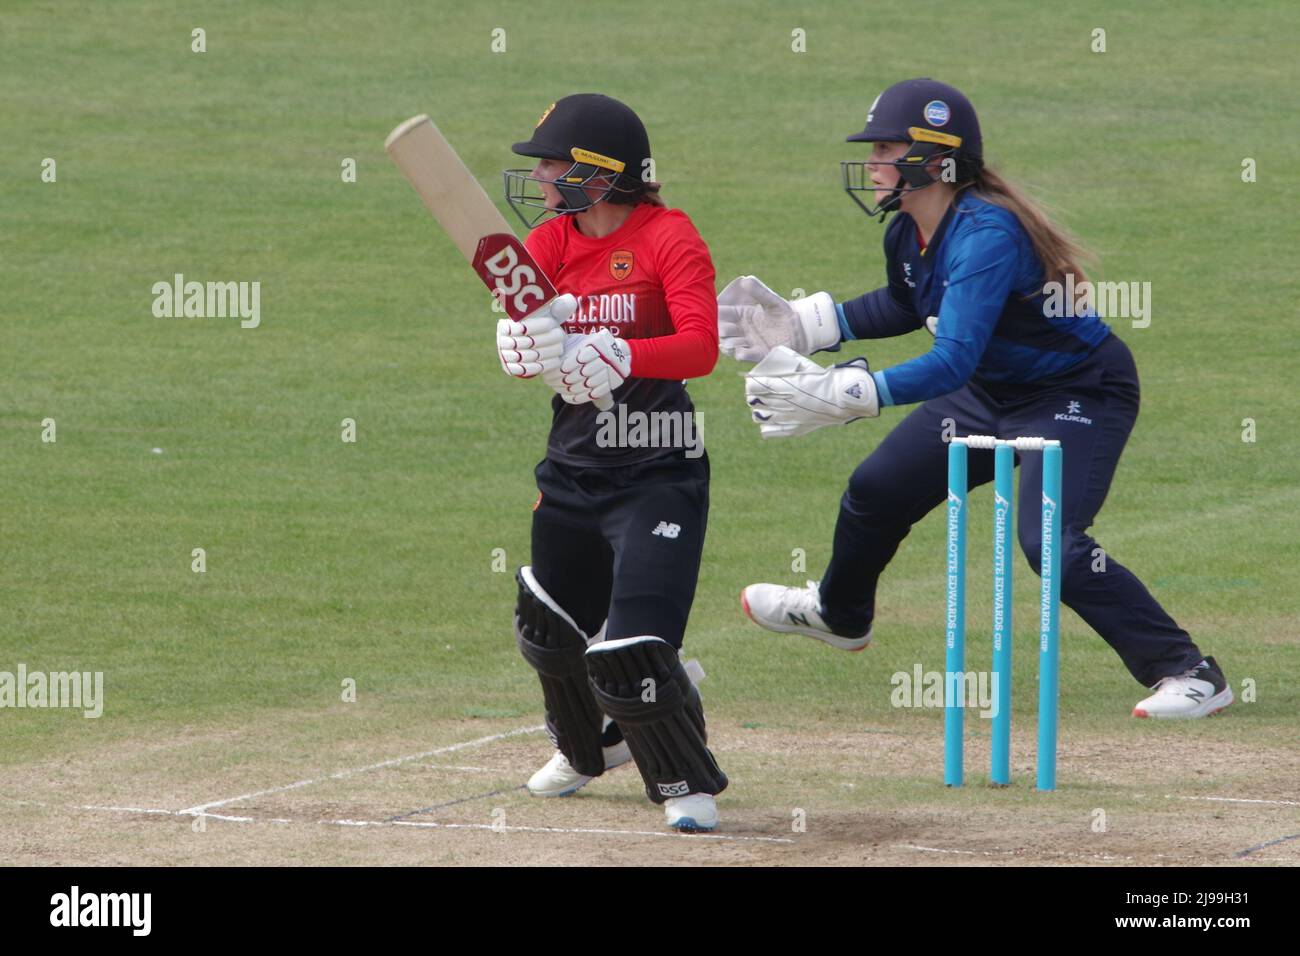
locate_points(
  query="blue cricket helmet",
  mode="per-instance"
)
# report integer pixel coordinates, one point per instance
(936, 121)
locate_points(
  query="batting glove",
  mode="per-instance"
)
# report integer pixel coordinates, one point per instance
(591, 367)
(789, 395)
(753, 320)
(535, 344)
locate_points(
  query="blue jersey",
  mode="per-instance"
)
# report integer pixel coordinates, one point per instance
(979, 275)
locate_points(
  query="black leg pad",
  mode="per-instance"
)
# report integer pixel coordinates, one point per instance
(554, 645)
(640, 683)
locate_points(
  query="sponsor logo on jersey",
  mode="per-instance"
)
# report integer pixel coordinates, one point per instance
(607, 310)
(620, 264)
(937, 113)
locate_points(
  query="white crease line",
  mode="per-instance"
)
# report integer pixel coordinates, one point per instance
(597, 830)
(1273, 803)
(127, 809)
(453, 826)
(608, 832)
(341, 774)
(25, 803)
(452, 766)
(935, 849)
(181, 813)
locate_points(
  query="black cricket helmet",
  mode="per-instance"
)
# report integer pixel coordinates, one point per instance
(936, 120)
(604, 140)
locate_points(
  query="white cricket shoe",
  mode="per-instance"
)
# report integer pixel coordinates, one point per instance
(559, 779)
(694, 813)
(1199, 692)
(795, 611)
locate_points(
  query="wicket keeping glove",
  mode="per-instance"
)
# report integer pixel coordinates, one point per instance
(753, 320)
(591, 367)
(790, 395)
(535, 344)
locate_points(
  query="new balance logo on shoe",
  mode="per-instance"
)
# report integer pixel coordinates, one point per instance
(667, 530)
(798, 619)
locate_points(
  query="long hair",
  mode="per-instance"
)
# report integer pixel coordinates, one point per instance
(630, 191)
(1060, 253)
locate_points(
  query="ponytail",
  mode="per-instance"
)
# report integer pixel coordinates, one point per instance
(1060, 253)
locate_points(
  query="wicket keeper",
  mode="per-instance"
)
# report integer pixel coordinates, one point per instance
(968, 258)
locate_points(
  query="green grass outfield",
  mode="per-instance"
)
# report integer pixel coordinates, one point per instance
(373, 560)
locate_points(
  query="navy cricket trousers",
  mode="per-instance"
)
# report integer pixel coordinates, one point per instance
(620, 547)
(1091, 410)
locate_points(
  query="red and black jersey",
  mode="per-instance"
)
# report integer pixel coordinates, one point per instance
(651, 281)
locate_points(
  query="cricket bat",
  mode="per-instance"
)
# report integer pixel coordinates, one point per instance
(471, 219)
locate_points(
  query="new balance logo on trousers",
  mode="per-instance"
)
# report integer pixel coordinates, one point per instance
(667, 530)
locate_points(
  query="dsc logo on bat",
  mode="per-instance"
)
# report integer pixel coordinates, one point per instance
(504, 265)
